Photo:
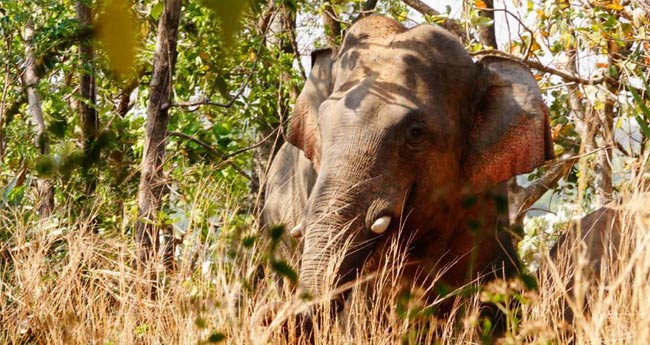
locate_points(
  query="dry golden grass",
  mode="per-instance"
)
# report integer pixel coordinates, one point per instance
(62, 284)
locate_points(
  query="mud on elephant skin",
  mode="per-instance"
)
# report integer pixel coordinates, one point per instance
(408, 134)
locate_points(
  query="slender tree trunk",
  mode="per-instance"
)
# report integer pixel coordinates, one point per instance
(45, 190)
(331, 24)
(486, 34)
(283, 29)
(124, 99)
(87, 106)
(153, 188)
(603, 169)
(3, 98)
(369, 5)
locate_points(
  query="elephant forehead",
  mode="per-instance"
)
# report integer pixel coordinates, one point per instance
(401, 76)
(426, 55)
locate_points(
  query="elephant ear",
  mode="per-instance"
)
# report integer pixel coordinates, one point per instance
(303, 127)
(510, 131)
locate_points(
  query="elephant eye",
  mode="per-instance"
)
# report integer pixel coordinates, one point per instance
(416, 134)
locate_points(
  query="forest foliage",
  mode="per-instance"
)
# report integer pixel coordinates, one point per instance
(76, 78)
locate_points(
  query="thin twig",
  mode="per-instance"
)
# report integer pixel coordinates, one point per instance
(252, 147)
(214, 151)
(508, 12)
(567, 76)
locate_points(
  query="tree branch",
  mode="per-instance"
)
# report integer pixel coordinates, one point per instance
(88, 105)
(369, 6)
(566, 76)
(124, 103)
(152, 187)
(449, 24)
(520, 199)
(331, 24)
(213, 151)
(367, 9)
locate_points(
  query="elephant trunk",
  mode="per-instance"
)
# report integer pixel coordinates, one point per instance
(337, 240)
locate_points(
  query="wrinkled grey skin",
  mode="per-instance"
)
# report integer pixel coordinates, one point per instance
(600, 235)
(291, 178)
(404, 124)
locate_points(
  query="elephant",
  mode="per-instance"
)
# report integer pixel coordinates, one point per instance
(289, 183)
(406, 134)
(600, 234)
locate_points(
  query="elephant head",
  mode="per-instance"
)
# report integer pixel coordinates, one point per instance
(400, 125)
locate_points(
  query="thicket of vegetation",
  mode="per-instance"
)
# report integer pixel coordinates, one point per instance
(135, 136)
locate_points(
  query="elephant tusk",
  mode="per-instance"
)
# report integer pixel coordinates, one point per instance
(380, 225)
(296, 231)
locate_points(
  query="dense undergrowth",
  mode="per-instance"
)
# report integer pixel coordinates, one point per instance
(65, 283)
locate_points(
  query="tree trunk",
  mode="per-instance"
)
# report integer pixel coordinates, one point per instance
(283, 29)
(45, 190)
(603, 169)
(486, 34)
(369, 6)
(153, 187)
(332, 25)
(87, 106)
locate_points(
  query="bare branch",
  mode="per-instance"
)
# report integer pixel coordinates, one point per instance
(367, 9)
(369, 5)
(491, 10)
(124, 99)
(565, 75)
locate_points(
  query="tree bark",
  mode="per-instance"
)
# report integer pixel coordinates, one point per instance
(153, 187)
(124, 103)
(87, 106)
(283, 28)
(369, 5)
(44, 187)
(603, 169)
(585, 125)
(332, 25)
(486, 34)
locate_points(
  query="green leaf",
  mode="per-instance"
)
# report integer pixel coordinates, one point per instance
(222, 87)
(529, 281)
(200, 323)
(45, 166)
(117, 30)
(276, 232)
(646, 112)
(157, 9)
(216, 337)
(644, 126)
(248, 242)
(230, 14)
(283, 269)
